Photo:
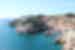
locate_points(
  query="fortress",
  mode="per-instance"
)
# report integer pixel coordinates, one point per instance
(67, 25)
(63, 21)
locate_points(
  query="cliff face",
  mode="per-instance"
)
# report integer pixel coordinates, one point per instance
(67, 26)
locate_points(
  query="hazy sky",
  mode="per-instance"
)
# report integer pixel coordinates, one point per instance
(15, 8)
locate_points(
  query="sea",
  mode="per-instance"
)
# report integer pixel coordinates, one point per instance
(11, 40)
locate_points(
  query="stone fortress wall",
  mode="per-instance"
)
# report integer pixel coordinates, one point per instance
(65, 23)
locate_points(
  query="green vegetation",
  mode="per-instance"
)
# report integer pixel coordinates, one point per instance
(23, 21)
(70, 15)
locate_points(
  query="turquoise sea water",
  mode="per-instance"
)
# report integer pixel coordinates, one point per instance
(10, 40)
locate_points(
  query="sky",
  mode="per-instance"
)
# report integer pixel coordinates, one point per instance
(17, 8)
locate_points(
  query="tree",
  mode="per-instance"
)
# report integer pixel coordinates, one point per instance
(70, 15)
